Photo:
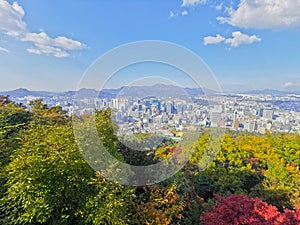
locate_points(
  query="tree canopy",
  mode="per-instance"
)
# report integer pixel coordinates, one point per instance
(231, 178)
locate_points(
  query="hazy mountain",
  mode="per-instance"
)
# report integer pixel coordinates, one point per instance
(270, 92)
(110, 93)
(158, 90)
(84, 92)
(22, 92)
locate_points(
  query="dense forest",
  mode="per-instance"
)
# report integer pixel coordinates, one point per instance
(44, 178)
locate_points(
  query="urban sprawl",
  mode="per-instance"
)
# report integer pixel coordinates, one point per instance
(170, 116)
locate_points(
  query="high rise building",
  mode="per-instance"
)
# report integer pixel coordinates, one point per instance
(216, 115)
(170, 108)
(268, 114)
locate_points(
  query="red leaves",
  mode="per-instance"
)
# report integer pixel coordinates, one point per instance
(241, 210)
(289, 218)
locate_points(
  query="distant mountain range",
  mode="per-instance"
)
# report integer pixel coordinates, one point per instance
(22, 92)
(158, 90)
(271, 92)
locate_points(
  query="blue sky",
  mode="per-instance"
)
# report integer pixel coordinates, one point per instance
(47, 45)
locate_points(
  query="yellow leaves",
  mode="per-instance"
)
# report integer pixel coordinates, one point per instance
(293, 170)
(162, 153)
(247, 147)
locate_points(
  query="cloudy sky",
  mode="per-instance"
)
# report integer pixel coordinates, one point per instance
(248, 44)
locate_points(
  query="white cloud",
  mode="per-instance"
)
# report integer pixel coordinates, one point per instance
(46, 49)
(4, 50)
(239, 38)
(11, 19)
(12, 24)
(291, 85)
(219, 7)
(172, 14)
(68, 43)
(213, 40)
(187, 3)
(47, 45)
(40, 39)
(184, 13)
(264, 14)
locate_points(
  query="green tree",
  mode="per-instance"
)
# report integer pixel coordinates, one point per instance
(49, 181)
(110, 204)
(14, 119)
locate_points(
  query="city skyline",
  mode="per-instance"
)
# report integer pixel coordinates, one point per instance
(49, 45)
(141, 111)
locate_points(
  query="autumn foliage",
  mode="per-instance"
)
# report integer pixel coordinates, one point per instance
(239, 209)
(45, 180)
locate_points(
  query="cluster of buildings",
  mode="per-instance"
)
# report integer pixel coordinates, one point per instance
(255, 113)
(171, 116)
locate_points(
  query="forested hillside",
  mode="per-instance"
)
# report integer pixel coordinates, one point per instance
(253, 179)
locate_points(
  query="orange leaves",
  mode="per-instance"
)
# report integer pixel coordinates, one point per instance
(162, 206)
